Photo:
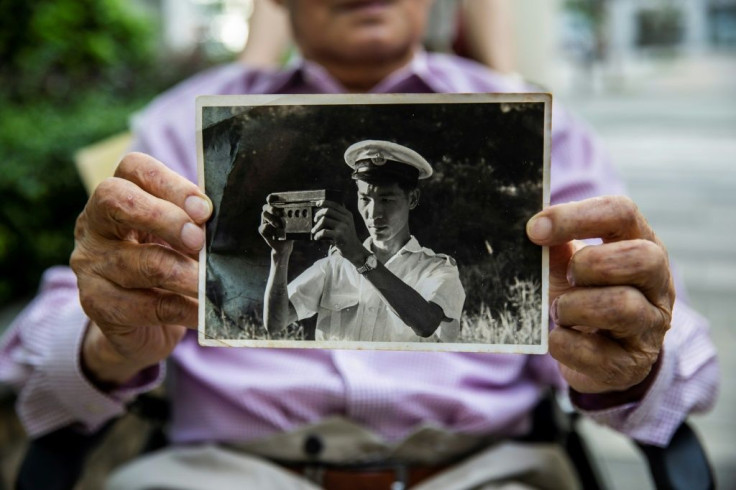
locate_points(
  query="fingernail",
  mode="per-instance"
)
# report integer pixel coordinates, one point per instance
(553, 312)
(540, 228)
(192, 236)
(197, 208)
(570, 276)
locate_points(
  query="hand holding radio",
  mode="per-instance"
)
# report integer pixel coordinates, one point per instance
(272, 229)
(334, 222)
(310, 215)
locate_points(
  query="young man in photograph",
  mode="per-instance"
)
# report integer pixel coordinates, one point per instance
(97, 334)
(387, 288)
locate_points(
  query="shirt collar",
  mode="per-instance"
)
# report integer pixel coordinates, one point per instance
(306, 76)
(283, 80)
(412, 246)
(425, 73)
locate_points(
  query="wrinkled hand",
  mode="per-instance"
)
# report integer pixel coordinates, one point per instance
(611, 303)
(272, 226)
(335, 223)
(135, 259)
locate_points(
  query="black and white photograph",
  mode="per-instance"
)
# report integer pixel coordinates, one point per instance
(374, 221)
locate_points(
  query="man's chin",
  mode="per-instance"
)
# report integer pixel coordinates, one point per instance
(379, 235)
(372, 46)
(375, 236)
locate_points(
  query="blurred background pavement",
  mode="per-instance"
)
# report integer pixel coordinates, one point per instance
(672, 133)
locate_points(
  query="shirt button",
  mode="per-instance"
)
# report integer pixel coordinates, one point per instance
(313, 445)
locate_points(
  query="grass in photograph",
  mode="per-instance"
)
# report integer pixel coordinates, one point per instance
(222, 327)
(517, 321)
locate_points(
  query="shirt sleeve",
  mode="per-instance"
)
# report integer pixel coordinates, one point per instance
(306, 290)
(688, 376)
(687, 382)
(442, 286)
(39, 356)
(40, 353)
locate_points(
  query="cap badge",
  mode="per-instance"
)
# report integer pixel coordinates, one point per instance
(378, 159)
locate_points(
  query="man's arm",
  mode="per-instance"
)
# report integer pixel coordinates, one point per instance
(687, 376)
(278, 312)
(611, 303)
(335, 223)
(136, 244)
(93, 338)
(422, 316)
(39, 356)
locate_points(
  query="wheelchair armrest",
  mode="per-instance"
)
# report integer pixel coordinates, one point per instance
(55, 461)
(681, 465)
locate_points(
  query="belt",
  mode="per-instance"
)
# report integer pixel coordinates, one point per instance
(384, 477)
(337, 441)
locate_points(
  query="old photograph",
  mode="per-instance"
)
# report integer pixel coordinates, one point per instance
(374, 221)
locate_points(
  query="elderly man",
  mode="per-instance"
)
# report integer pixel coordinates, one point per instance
(94, 339)
(388, 288)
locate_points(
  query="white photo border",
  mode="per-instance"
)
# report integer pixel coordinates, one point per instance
(363, 99)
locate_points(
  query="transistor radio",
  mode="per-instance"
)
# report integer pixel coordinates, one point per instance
(298, 209)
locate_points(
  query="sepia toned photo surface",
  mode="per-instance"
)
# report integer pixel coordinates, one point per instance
(374, 221)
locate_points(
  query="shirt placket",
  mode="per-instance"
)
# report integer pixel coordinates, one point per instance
(369, 310)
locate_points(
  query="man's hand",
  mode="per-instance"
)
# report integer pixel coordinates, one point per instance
(611, 303)
(135, 258)
(272, 226)
(335, 223)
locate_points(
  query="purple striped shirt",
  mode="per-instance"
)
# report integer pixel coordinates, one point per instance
(222, 394)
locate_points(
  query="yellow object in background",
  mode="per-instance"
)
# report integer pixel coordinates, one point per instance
(98, 161)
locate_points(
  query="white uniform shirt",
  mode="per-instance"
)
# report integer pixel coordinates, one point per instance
(349, 307)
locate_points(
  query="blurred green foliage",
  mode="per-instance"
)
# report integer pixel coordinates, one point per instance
(55, 47)
(71, 73)
(592, 10)
(41, 192)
